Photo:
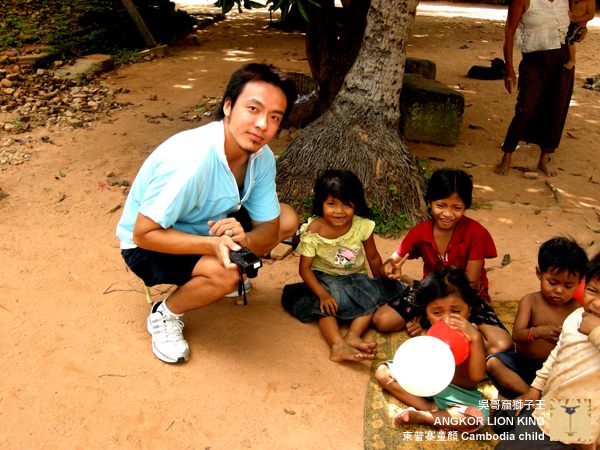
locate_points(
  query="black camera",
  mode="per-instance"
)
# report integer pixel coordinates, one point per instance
(246, 261)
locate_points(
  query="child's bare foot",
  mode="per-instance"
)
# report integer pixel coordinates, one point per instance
(358, 343)
(504, 165)
(570, 64)
(545, 167)
(343, 352)
(411, 415)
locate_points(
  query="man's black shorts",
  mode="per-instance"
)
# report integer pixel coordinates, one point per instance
(163, 268)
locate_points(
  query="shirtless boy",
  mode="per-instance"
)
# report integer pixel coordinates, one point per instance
(581, 12)
(538, 324)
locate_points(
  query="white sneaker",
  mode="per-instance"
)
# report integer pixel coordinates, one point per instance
(165, 328)
(248, 287)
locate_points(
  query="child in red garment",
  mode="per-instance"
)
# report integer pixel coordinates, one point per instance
(448, 239)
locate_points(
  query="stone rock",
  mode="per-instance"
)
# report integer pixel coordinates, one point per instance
(123, 182)
(109, 173)
(161, 50)
(284, 133)
(430, 111)
(294, 134)
(424, 67)
(152, 97)
(9, 127)
(6, 83)
(189, 40)
(75, 122)
(112, 181)
(281, 251)
(85, 67)
(531, 175)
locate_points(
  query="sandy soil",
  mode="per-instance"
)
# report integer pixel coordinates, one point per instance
(76, 363)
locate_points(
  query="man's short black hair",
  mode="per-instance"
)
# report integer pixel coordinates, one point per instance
(258, 72)
(592, 270)
(562, 254)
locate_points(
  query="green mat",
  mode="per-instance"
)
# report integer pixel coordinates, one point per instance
(380, 407)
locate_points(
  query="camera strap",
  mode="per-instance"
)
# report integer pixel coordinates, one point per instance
(242, 286)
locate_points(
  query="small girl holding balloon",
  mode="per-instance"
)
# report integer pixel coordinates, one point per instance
(445, 295)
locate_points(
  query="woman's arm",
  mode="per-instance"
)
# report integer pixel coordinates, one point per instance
(515, 12)
(373, 256)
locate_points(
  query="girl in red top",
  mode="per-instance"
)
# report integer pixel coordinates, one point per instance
(449, 239)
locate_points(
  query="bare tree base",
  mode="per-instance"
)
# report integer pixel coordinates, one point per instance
(366, 145)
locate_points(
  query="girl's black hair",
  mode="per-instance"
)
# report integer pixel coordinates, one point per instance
(442, 283)
(592, 269)
(562, 254)
(343, 185)
(445, 182)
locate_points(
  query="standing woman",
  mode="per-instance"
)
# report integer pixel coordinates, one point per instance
(545, 85)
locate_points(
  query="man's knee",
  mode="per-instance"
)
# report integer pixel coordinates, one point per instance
(288, 222)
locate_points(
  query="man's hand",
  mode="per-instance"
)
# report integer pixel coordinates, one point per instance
(221, 248)
(589, 321)
(229, 227)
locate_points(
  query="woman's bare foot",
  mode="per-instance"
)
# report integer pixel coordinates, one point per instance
(358, 343)
(544, 165)
(411, 415)
(341, 351)
(504, 165)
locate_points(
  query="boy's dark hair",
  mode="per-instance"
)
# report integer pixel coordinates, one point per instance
(562, 254)
(439, 284)
(592, 269)
(445, 182)
(343, 185)
(258, 72)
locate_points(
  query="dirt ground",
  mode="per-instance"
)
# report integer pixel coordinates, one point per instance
(76, 364)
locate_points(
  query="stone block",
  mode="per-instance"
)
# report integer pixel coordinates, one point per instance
(423, 67)
(86, 66)
(281, 251)
(430, 111)
(159, 50)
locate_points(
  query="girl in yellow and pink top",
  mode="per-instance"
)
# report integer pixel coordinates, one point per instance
(335, 246)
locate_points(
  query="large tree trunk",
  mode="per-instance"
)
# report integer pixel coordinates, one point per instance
(333, 39)
(360, 131)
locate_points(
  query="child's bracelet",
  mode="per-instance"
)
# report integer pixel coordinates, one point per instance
(529, 337)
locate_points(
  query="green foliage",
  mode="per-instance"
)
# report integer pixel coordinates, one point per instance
(308, 203)
(427, 169)
(395, 226)
(72, 28)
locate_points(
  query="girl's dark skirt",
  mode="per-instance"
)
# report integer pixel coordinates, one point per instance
(357, 295)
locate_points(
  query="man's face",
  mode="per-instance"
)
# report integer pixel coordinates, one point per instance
(254, 119)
